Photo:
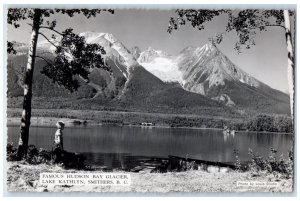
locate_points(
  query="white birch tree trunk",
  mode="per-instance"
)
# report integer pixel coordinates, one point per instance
(26, 113)
(291, 65)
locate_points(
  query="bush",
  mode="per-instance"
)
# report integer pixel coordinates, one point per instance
(11, 152)
(272, 164)
(35, 157)
(237, 164)
(174, 164)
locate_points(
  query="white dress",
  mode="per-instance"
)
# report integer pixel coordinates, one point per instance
(58, 139)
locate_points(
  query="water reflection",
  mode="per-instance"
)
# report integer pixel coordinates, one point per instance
(114, 146)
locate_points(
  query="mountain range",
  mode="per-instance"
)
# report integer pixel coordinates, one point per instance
(199, 80)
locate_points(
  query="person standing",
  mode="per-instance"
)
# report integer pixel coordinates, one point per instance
(58, 138)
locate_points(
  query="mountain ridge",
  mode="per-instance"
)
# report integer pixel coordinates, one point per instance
(204, 71)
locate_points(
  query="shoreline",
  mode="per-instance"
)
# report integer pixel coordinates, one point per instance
(74, 122)
(22, 177)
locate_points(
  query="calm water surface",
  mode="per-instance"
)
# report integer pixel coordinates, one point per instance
(125, 147)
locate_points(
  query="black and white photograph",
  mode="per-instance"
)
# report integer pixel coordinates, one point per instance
(149, 99)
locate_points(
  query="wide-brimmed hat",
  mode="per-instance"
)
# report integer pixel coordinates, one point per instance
(60, 124)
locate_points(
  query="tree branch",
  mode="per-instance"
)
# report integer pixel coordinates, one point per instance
(270, 25)
(46, 53)
(52, 42)
(48, 40)
(48, 62)
(275, 25)
(44, 27)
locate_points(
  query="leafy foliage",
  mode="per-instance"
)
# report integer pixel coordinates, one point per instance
(15, 15)
(41, 156)
(10, 48)
(74, 57)
(196, 17)
(11, 152)
(34, 156)
(272, 164)
(246, 23)
(237, 163)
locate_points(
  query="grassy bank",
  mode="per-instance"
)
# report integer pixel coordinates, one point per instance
(23, 177)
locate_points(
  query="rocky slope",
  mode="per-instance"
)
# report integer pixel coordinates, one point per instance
(206, 70)
(199, 77)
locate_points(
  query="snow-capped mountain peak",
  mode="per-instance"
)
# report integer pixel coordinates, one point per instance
(150, 54)
(113, 47)
(92, 37)
(204, 70)
(209, 47)
(110, 37)
(197, 69)
(206, 66)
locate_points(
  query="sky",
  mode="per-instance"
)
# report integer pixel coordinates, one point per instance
(266, 61)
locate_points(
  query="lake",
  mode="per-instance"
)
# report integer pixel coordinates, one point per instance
(125, 146)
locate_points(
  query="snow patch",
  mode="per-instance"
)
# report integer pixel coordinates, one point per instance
(165, 69)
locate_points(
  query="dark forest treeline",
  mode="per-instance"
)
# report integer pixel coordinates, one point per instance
(263, 122)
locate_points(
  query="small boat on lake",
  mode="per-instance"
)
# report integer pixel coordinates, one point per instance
(147, 124)
(227, 131)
